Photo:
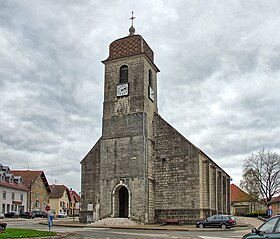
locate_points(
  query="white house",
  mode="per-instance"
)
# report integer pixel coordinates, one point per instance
(13, 195)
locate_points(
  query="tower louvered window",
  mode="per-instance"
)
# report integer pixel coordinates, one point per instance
(150, 78)
(124, 74)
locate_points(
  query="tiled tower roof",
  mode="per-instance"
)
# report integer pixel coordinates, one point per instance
(129, 46)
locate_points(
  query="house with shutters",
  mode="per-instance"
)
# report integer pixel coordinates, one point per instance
(38, 188)
(60, 199)
(74, 209)
(13, 194)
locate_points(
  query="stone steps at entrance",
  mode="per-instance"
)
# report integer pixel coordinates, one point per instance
(115, 222)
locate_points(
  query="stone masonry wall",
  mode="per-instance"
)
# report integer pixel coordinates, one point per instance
(128, 146)
(90, 180)
(176, 173)
(123, 158)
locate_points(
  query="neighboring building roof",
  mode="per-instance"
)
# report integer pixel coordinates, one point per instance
(4, 168)
(57, 191)
(13, 185)
(238, 195)
(30, 176)
(74, 196)
(275, 199)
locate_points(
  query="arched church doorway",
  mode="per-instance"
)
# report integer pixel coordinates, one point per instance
(123, 202)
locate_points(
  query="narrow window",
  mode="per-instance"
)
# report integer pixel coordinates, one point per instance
(13, 196)
(124, 74)
(150, 78)
(21, 197)
(4, 194)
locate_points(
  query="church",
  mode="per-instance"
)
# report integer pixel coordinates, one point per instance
(141, 168)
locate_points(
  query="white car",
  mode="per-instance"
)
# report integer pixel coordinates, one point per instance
(62, 215)
(1, 216)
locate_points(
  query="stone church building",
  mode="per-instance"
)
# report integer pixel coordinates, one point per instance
(141, 167)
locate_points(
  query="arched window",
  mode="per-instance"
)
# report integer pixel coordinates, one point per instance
(124, 74)
(150, 77)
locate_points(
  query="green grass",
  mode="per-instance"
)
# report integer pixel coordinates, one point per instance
(24, 233)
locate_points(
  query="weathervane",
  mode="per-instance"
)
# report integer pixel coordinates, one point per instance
(131, 29)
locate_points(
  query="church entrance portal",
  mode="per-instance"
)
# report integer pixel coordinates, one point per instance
(123, 202)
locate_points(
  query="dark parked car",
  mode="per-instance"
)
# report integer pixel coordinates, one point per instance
(269, 229)
(26, 215)
(11, 214)
(222, 221)
(41, 214)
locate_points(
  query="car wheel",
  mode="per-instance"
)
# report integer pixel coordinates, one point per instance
(224, 226)
(200, 225)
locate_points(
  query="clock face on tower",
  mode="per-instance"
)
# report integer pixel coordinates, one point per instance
(122, 89)
(151, 94)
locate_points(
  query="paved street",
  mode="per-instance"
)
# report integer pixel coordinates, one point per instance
(148, 234)
(106, 233)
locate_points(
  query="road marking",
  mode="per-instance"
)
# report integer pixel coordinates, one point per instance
(219, 237)
(143, 234)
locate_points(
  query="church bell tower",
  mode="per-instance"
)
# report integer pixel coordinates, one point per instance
(126, 149)
(142, 168)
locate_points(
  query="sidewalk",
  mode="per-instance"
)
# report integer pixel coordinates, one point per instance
(242, 223)
(249, 221)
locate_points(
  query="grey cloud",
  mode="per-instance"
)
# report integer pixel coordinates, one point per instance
(218, 83)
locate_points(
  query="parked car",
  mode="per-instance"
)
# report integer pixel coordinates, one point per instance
(26, 215)
(11, 214)
(269, 229)
(62, 215)
(222, 221)
(41, 214)
(2, 215)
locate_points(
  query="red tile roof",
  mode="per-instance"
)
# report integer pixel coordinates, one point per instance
(275, 199)
(238, 195)
(57, 191)
(74, 196)
(13, 185)
(30, 176)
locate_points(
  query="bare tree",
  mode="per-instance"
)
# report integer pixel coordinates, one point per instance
(261, 175)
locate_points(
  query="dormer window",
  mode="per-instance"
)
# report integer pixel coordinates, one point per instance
(124, 74)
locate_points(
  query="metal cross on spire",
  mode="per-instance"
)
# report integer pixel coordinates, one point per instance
(132, 29)
(132, 18)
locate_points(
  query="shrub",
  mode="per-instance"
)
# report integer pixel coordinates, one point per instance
(259, 213)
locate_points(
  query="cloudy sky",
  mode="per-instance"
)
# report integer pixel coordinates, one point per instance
(219, 81)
